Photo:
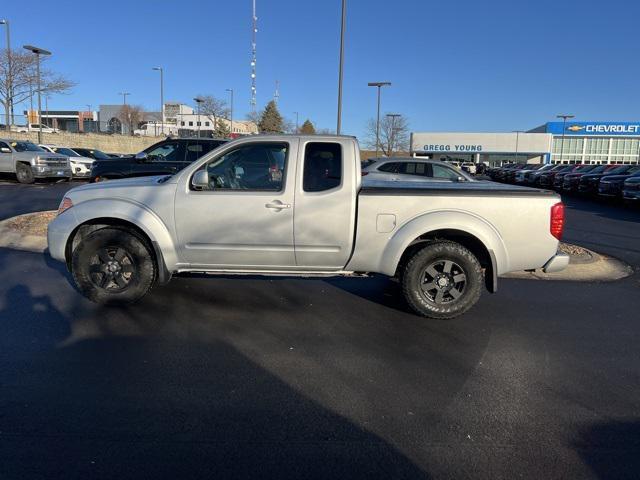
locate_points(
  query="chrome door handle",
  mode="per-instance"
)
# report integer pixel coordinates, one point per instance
(277, 205)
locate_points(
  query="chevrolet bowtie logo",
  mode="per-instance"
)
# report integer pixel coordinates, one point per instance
(575, 128)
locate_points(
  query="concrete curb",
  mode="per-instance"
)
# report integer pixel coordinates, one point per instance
(9, 238)
(599, 268)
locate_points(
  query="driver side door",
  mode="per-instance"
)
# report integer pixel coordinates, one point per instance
(244, 219)
(6, 158)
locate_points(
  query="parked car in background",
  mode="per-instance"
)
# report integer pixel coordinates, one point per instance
(80, 166)
(610, 186)
(166, 157)
(236, 210)
(521, 175)
(29, 162)
(33, 127)
(631, 189)
(156, 130)
(571, 181)
(559, 177)
(533, 178)
(589, 182)
(92, 153)
(547, 178)
(469, 167)
(410, 169)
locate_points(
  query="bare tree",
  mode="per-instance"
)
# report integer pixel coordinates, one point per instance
(394, 135)
(21, 82)
(213, 107)
(131, 116)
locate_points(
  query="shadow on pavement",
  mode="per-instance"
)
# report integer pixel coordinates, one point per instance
(611, 450)
(161, 407)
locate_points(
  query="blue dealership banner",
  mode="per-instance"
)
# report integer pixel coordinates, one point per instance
(604, 129)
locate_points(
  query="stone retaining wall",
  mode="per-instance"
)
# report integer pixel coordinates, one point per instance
(106, 143)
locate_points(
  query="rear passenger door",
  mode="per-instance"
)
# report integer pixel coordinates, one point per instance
(325, 204)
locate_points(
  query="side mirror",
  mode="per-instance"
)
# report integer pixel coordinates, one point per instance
(461, 179)
(200, 179)
(5, 150)
(142, 156)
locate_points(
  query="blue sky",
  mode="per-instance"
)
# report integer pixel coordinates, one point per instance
(465, 65)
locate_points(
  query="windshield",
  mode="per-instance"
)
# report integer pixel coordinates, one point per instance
(26, 147)
(617, 170)
(97, 154)
(65, 151)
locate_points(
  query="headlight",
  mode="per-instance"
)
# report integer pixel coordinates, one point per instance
(65, 205)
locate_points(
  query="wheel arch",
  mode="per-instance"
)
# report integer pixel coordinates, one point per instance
(473, 233)
(141, 222)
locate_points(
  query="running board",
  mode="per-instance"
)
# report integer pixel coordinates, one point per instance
(279, 273)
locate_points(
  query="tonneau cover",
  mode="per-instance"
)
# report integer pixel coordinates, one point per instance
(479, 188)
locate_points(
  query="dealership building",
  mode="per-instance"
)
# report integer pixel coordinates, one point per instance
(553, 142)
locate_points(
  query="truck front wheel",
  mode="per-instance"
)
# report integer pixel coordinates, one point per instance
(113, 266)
(442, 280)
(24, 173)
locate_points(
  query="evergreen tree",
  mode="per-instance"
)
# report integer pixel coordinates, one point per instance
(308, 128)
(222, 129)
(271, 120)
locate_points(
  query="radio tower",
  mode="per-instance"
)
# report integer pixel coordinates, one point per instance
(253, 58)
(276, 94)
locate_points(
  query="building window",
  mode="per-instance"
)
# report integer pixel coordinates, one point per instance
(597, 146)
(198, 124)
(206, 124)
(182, 123)
(191, 124)
(624, 146)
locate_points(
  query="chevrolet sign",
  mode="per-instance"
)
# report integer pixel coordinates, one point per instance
(595, 128)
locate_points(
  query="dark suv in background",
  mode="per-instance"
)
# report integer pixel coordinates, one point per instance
(166, 157)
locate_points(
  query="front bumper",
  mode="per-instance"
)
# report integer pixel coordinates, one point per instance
(631, 195)
(557, 263)
(58, 233)
(48, 171)
(80, 170)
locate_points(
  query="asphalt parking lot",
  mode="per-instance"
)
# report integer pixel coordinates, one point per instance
(289, 378)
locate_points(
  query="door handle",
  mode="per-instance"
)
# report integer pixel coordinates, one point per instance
(277, 205)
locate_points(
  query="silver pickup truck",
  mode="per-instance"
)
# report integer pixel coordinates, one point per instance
(297, 205)
(28, 161)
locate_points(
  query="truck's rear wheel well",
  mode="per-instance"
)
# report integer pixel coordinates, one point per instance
(470, 242)
(97, 223)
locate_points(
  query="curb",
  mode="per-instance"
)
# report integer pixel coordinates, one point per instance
(9, 238)
(598, 268)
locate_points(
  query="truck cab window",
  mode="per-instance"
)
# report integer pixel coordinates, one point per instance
(250, 167)
(322, 166)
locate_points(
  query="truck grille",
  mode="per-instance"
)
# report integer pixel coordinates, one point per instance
(56, 162)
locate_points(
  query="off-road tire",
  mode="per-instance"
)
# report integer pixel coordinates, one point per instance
(460, 261)
(24, 173)
(118, 248)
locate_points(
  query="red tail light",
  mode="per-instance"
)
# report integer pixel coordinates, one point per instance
(557, 220)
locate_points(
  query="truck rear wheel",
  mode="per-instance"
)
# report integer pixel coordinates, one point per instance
(24, 173)
(443, 280)
(113, 266)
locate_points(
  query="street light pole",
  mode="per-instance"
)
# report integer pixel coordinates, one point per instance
(517, 132)
(341, 65)
(198, 101)
(38, 52)
(230, 90)
(564, 123)
(379, 85)
(161, 96)
(296, 121)
(124, 104)
(393, 117)
(9, 106)
(88, 105)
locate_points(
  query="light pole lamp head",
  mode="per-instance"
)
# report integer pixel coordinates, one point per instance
(565, 117)
(157, 68)
(379, 84)
(36, 50)
(198, 99)
(3, 21)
